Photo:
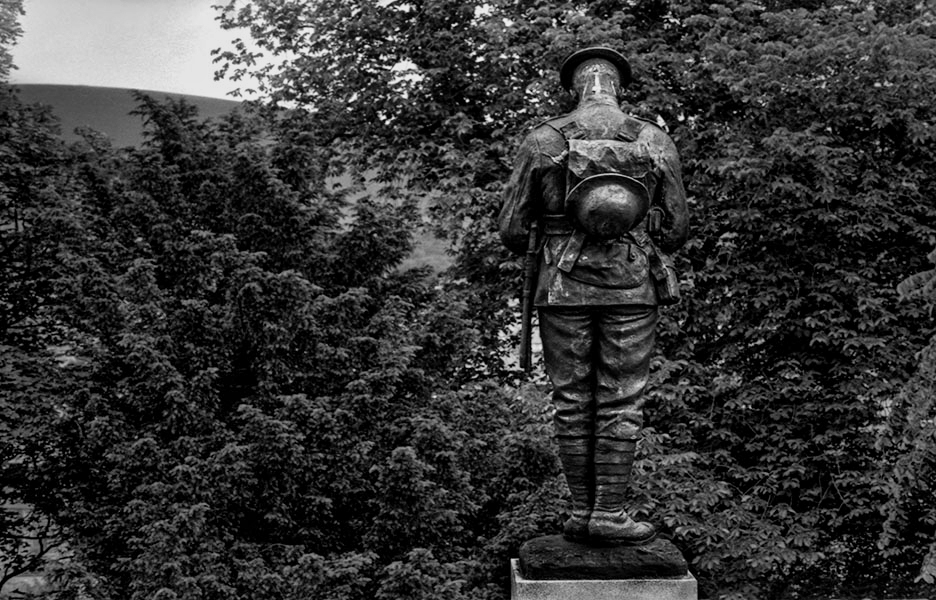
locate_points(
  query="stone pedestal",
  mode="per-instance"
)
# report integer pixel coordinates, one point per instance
(552, 568)
(683, 588)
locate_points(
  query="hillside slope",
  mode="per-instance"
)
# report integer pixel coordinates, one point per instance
(107, 110)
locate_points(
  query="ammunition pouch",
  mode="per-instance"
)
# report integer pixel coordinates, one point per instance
(664, 278)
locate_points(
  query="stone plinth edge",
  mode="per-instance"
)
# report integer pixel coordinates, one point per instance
(682, 588)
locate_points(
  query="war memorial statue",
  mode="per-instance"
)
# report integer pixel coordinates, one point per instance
(596, 197)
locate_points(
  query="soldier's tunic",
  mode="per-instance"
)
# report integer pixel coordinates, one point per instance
(597, 318)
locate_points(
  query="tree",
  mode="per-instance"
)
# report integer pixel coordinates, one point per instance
(257, 401)
(10, 30)
(821, 217)
(32, 204)
(807, 144)
(36, 220)
(909, 440)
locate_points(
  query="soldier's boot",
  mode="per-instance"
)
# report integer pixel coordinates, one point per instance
(576, 457)
(609, 523)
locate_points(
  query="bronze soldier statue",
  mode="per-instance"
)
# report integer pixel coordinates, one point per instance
(605, 193)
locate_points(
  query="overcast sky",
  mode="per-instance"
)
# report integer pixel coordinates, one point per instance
(160, 45)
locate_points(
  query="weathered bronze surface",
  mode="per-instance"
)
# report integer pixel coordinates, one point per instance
(602, 273)
(554, 557)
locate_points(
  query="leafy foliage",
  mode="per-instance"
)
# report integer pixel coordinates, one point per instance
(34, 222)
(10, 30)
(909, 441)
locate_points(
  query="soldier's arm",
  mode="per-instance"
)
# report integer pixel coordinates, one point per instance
(671, 195)
(521, 201)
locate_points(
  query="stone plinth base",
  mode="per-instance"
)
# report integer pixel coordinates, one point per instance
(682, 588)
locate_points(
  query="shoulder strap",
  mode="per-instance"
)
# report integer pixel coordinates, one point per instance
(630, 129)
(572, 131)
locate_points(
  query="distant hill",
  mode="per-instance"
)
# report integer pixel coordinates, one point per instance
(107, 110)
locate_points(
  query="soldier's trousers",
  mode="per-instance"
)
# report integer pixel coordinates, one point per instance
(598, 359)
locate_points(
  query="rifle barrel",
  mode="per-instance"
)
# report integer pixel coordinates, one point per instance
(529, 284)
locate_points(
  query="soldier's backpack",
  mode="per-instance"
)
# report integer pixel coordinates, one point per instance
(607, 197)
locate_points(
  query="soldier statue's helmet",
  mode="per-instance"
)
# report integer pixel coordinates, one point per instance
(608, 205)
(567, 71)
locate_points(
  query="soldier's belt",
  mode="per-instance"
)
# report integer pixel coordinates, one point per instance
(561, 225)
(557, 225)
